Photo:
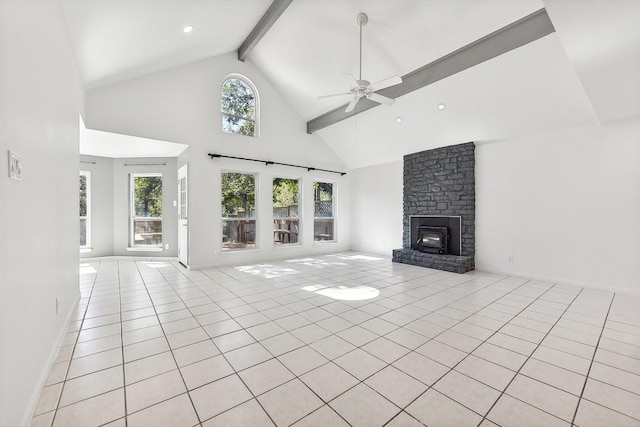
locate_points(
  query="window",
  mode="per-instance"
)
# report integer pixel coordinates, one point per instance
(146, 209)
(286, 194)
(85, 209)
(238, 211)
(324, 211)
(239, 107)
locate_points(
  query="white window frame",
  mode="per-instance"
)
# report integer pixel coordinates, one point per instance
(254, 218)
(133, 218)
(334, 208)
(256, 121)
(300, 211)
(87, 246)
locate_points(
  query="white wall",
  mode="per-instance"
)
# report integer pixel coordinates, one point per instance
(566, 205)
(121, 206)
(40, 101)
(183, 105)
(101, 205)
(376, 208)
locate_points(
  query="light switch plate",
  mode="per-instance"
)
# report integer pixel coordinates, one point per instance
(15, 166)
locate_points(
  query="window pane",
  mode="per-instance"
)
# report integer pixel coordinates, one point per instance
(146, 220)
(286, 194)
(83, 195)
(83, 231)
(238, 234)
(323, 224)
(148, 196)
(238, 210)
(238, 107)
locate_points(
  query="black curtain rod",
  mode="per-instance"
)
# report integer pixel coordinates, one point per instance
(269, 162)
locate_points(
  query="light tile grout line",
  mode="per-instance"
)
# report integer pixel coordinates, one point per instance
(124, 378)
(484, 417)
(235, 372)
(66, 375)
(389, 309)
(170, 351)
(483, 341)
(595, 350)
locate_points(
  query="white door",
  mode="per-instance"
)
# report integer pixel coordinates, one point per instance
(183, 228)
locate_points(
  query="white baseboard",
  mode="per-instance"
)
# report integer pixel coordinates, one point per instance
(53, 354)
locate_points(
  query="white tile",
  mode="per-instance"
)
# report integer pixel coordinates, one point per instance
(222, 327)
(249, 413)
(592, 415)
(407, 338)
(195, 352)
(153, 390)
(562, 359)
(97, 345)
(302, 360)
(512, 412)
(500, 356)
(144, 349)
(329, 381)
(612, 398)
(433, 408)
(94, 362)
(191, 336)
(48, 399)
(421, 368)
(616, 377)
(281, 344)
(332, 347)
(245, 357)
(289, 402)
(142, 369)
(325, 416)
(91, 385)
(360, 364)
(265, 376)
(92, 412)
(310, 333)
(404, 420)
(233, 340)
(357, 336)
(459, 341)
(395, 385)
(265, 330)
(549, 374)
(205, 371)
(442, 353)
(175, 412)
(216, 397)
(43, 420)
(486, 372)
(467, 391)
(362, 406)
(542, 396)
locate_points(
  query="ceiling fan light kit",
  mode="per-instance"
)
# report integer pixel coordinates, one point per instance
(361, 88)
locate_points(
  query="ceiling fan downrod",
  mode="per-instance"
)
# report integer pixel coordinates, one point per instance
(362, 20)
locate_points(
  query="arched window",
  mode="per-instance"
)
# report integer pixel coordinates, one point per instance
(239, 106)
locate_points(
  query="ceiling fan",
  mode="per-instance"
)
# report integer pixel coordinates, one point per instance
(363, 88)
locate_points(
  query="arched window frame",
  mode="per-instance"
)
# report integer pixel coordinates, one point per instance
(252, 87)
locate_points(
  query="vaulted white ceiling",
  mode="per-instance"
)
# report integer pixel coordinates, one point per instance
(585, 72)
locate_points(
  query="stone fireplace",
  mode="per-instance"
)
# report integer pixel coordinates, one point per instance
(439, 209)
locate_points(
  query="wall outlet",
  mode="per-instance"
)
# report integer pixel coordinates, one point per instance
(57, 305)
(166, 246)
(175, 203)
(510, 258)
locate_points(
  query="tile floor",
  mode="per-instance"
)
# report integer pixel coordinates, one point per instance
(339, 340)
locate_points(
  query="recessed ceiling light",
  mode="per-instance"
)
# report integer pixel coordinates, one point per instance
(398, 119)
(441, 106)
(187, 29)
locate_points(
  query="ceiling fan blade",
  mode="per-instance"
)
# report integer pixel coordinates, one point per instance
(391, 81)
(335, 94)
(351, 105)
(380, 99)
